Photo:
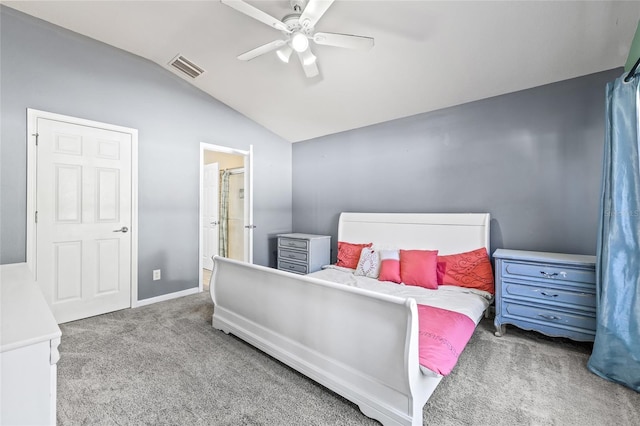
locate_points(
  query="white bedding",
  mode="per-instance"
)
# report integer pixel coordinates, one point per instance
(467, 301)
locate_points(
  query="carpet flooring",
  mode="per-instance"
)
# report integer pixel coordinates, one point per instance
(164, 364)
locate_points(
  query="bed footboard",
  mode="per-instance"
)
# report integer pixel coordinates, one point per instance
(360, 344)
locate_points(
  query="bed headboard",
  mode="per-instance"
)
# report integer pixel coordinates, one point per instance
(446, 232)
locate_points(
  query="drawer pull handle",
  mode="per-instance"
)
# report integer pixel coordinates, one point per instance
(549, 317)
(548, 275)
(548, 295)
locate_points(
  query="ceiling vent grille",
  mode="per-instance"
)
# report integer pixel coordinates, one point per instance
(186, 66)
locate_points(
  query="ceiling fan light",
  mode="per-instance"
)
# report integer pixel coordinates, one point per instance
(299, 42)
(284, 54)
(308, 58)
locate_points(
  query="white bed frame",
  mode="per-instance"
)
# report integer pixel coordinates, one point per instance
(360, 344)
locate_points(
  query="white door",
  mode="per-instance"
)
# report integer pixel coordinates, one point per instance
(84, 216)
(210, 213)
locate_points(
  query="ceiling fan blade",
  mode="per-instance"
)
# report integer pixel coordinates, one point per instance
(256, 14)
(313, 12)
(265, 48)
(344, 40)
(310, 67)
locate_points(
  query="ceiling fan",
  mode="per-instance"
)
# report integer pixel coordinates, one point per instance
(298, 28)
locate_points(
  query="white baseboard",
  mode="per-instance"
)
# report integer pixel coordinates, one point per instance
(165, 297)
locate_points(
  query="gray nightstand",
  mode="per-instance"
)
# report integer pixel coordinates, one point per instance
(303, 253)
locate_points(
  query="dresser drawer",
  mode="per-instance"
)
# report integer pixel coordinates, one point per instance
(548, 272)
(294, 255)
(548, 316)
(295, 244)
(548, 294)
(292, 267)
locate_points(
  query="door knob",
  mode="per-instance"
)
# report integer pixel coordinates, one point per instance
(214, 223)
(124, 229)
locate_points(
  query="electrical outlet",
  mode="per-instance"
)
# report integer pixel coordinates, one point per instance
(156, 274)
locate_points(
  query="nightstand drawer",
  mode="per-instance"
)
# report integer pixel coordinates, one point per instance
(548, 272)
(548, 294)
(294, 255)
(549, 316)
(295, 244)
(292, 267)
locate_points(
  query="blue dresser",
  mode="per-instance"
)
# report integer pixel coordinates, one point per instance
(551, 293)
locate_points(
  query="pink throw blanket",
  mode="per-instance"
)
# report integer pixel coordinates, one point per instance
(443, 336)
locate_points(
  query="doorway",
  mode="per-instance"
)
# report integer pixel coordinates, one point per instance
(225, 207)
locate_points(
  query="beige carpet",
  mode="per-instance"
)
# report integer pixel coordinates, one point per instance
(164, 364)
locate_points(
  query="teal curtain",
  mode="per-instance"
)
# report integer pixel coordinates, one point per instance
(223, 231)
(616, 350)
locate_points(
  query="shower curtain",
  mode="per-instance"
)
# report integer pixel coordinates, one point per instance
(616, 350)
(223, 246)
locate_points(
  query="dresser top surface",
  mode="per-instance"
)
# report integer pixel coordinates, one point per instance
(300, 236)
(541, 256)
(25, 316)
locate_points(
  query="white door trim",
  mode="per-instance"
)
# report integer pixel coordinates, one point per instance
(248, 183)
(210, 243)
(248, 156)
(32, 116)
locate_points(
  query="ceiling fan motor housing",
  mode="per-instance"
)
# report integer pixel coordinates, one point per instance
(292, 21)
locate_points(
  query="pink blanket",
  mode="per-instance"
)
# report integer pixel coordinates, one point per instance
(443, 336)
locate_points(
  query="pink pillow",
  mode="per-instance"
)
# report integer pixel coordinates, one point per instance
(471, 269)
(441, 269)
(389, 266)
(349, 254)
(418, 267)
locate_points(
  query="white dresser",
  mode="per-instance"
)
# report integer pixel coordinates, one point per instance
(303, 253)
(29, 342)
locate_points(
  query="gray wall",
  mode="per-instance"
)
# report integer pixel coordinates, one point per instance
(51, 69)
(532, 159)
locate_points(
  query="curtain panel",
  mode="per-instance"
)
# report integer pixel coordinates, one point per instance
(223, 234)
(616, 350)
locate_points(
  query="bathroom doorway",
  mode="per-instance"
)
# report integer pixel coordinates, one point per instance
(225, 207)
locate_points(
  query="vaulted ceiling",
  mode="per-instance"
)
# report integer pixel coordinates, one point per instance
(428, 55)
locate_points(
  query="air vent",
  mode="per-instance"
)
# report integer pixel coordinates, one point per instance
(186, 66)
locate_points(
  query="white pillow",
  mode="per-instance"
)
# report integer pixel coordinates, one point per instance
(369, 263)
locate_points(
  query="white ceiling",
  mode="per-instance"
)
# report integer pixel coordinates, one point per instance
(428, 55)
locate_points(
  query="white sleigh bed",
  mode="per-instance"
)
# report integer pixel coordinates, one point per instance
(362, 344)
